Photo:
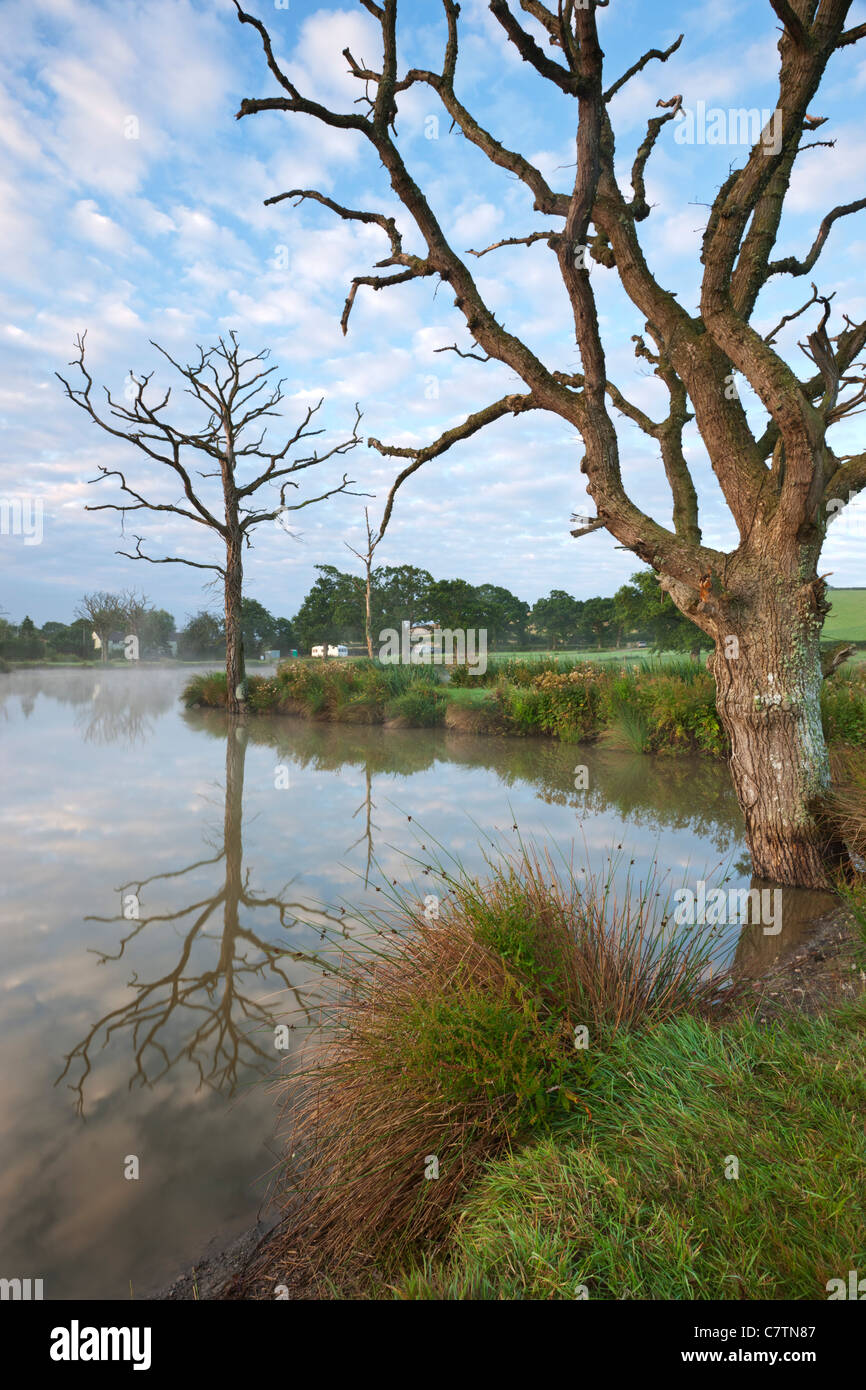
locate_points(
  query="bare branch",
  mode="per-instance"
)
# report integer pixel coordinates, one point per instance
(661, 54)
(452, 347)
(788, 318)
(515, 241)
(790, 265)
(166, 560)
(568, 82)
(508, 405)
(852, 36)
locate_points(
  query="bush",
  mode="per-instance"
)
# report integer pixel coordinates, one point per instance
(650, 708)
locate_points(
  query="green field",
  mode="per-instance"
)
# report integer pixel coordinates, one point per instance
(846, 620)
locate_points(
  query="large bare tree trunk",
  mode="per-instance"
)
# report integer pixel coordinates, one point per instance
(236, 678)
(768, 679)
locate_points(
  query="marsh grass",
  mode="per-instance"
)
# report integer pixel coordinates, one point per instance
(453, 1039)
(629, 731)
(847, 800)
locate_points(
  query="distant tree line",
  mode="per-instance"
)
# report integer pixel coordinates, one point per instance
(113, 617)
(334, 612)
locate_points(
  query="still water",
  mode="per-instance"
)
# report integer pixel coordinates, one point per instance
(162, 889)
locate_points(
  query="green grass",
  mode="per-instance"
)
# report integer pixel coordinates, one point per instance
(464, 695)
(846, 620)
(637, 1204)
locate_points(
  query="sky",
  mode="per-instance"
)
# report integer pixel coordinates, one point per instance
(132, 207)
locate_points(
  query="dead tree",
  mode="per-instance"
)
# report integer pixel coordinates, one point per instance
(229, 388)
(366, 558)
(763, 603)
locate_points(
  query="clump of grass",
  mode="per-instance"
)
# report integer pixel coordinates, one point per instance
(642, 1204)
(847, 799)
(421, 706)
(206, 688)
(452, 1039)
(629, 731)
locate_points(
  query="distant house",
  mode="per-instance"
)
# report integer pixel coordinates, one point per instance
(115, 643)
(423, 637)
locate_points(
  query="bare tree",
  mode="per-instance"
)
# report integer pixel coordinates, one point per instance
(237, 398)
(763, 603)
(105, 612)
(136, 607)
(366, 558)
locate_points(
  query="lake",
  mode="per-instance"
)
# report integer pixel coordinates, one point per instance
(164, 890)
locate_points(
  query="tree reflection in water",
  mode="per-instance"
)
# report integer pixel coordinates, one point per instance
(210, 1017)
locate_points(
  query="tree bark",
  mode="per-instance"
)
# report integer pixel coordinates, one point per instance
(768, 694)
(236, 678)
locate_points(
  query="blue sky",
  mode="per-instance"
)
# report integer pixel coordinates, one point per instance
(165, 236)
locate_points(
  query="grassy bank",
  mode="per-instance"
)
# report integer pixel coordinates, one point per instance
(547, 1092)
(721, 1163)
(645, 707)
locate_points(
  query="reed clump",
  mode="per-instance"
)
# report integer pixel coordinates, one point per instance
(446, 1039)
